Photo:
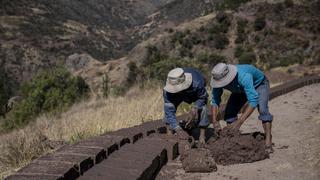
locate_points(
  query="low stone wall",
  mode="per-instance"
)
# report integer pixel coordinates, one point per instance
(138, 152)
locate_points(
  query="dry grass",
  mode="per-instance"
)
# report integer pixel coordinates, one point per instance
(85, 119)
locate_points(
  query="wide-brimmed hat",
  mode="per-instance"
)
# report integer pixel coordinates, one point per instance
(178, 80)
(222, 75)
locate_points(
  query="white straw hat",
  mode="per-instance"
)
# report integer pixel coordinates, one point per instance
(222, 75)
(178, 80)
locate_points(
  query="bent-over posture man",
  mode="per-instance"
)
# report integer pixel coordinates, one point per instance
(247, 84)
(186, 85)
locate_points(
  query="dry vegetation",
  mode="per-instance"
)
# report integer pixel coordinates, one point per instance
(85, 119)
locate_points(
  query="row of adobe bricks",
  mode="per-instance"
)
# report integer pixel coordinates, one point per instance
(71, 161)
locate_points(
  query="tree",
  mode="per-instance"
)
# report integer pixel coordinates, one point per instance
(51, 91)
(105, 85)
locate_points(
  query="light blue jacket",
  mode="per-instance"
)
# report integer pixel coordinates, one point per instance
(247, 79)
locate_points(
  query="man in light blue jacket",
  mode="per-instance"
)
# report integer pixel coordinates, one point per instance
(247, 84)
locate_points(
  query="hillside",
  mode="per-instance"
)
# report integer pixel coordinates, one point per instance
(40, 34)
(119, 46)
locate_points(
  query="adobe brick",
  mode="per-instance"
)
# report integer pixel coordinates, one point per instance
(33, 177)
(81, 162)
(97, 154)
(101, 142)
(60, 169)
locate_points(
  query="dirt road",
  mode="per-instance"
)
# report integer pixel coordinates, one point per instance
(296, 134)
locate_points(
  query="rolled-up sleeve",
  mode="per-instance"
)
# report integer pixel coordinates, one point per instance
(170, 110)
(202, 98)
(216, 96)
(250, 91)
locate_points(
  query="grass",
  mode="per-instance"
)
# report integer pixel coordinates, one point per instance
(85, 119)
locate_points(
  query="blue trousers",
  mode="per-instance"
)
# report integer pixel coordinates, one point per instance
(237, 100)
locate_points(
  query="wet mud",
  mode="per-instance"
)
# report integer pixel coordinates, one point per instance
(232, 147)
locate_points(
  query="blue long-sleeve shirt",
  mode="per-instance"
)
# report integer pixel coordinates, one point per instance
(196, 93)
(247, 79)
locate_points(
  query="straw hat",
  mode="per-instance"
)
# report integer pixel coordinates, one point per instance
(222, 75)
(178, 80)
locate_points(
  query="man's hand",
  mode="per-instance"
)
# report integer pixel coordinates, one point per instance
(235, 125)
(191, 118)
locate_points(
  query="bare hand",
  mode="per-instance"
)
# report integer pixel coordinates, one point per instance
(235, 125)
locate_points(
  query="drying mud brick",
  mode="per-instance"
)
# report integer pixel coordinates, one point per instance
(97, 154)
(152, 127)
(133, 133)
(141, 160)
(233, 148)
(171, 145)
(152, 148)
(33, 177)
(59, 169)
(80, 162)
(198, 160)
(109, 144)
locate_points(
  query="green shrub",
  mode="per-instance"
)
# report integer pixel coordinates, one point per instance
(210, 59)
(105, 85)
(247, 58)
(133, 73)
(222, 27)
(203, 57)
(154, 55)
(230, 4)
(238, 51)
(48, 92)
(240, 38)
(288, 3)
(292, 23)
(195, 39)
(158, 71)
(221, 16)
(177, 36)
(186, 42)
(215, 59)
(220, 41)
(4, 91)
(290, 59)
(259, 23)
(241, 25)
(119, 90)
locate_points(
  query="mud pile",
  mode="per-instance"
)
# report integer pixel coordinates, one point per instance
(198, 160)
(232, 147)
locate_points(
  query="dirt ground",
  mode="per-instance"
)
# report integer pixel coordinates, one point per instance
(296, 131)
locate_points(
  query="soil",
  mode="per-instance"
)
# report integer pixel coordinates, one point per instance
(233, 148)
(295, 130)
(198, 160)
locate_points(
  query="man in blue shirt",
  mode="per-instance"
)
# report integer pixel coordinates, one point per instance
(248, 85)
(186, 85)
